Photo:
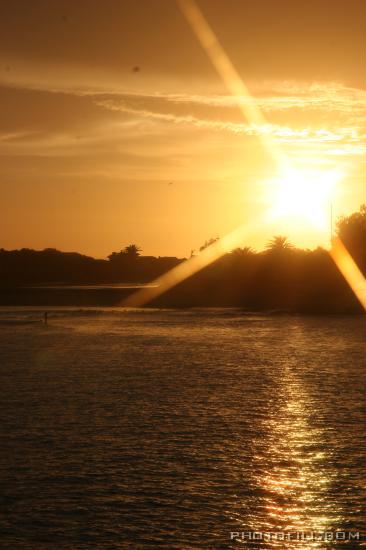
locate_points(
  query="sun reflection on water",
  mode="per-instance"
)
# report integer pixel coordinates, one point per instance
(291, 472)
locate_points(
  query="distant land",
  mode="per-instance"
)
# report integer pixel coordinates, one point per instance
(281, 278)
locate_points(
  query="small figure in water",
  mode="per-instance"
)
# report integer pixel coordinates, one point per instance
(45, 317)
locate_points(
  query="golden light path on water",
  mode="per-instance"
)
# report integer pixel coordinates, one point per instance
(254, 116)
(295, 487)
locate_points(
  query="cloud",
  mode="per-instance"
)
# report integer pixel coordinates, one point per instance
(327, 97)
(74, 118)
(278, 132)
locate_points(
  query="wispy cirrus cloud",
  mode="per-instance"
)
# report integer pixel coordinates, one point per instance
(349, 137)
(271, 95)
(329, 97)
(279, 96)
(300, 115)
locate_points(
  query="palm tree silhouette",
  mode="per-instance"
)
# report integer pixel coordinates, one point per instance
(245, 251)
(279, 243)
(132, 251)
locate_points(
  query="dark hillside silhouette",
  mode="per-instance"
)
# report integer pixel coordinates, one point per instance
(280, 278)
(50, 266)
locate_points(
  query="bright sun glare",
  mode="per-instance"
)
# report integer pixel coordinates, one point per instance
(304, 195)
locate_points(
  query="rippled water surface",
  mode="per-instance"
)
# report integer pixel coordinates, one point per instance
(174, 429)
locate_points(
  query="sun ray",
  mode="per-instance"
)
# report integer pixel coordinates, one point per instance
(349, 269)
(254, 116)
(189, 267)
(230, 76)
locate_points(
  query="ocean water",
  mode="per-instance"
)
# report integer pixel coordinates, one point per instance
(181, 429)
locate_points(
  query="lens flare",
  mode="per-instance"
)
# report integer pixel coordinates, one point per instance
(304, 195)
(349, 269)
(190, 267)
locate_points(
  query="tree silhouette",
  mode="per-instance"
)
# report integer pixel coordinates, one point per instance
(279, 243)
(132, 251)
(352, 231)
(208, 243)
(245, 251)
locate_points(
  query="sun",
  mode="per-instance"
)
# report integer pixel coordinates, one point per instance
(304, 195)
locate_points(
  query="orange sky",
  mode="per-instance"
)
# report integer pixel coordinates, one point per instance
(88, 146)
